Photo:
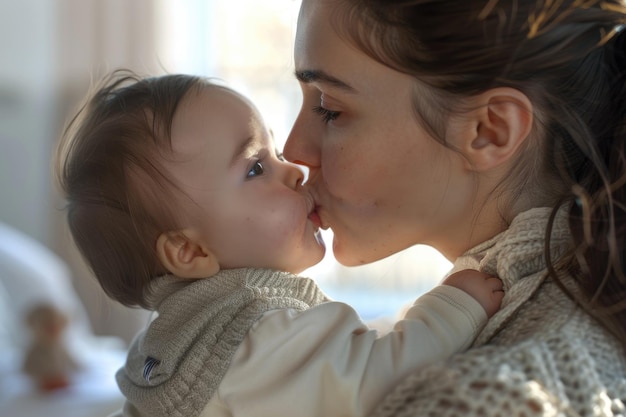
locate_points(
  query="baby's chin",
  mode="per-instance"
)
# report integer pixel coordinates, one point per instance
(312, 255)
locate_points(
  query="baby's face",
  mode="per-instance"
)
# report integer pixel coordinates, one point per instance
(245, 203)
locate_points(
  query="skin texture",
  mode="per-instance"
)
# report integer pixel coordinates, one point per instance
(242, 206)
(379, 179)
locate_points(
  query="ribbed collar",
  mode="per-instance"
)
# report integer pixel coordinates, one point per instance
(516, 256)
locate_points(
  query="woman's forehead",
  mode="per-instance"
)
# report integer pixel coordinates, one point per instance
(314, 26)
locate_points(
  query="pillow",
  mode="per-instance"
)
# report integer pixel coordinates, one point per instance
(7, 322)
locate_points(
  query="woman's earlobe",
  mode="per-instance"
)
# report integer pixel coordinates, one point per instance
(504, 121)
(184, 256)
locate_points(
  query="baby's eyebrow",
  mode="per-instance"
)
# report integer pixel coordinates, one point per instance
(243, 149)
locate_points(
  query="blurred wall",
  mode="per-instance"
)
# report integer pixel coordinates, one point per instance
(27, 53)
(49, 53)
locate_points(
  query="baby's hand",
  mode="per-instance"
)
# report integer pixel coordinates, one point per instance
(487, 290)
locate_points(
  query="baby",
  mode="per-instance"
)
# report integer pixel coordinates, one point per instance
(180, 204)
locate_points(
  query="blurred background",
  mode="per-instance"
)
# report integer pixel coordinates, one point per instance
(50, 53)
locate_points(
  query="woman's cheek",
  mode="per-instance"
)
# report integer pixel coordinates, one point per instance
(342, 171)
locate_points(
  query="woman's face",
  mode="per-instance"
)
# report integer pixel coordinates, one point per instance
(380, 181)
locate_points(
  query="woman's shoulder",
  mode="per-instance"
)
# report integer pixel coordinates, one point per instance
(566, 371)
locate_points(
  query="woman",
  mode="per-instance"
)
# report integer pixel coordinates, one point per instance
(493, 131)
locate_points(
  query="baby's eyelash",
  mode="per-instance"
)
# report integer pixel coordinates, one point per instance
(256, 169)
(327, 115)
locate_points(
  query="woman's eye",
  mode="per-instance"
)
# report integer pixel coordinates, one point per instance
(257, 169)
(327, 115)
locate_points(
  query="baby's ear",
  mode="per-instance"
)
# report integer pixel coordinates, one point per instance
(184, 256)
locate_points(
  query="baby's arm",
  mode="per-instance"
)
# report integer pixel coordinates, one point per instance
(328, 360)
(453, 313)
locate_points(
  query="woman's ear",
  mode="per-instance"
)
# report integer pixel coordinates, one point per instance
(184, 256)
(499, 124)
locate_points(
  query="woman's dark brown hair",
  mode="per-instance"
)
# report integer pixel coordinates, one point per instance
(569, 58)
(118, 194)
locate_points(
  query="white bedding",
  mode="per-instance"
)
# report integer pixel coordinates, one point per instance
(93, 392)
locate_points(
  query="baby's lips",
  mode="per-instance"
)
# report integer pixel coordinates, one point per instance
(315, 218)
(312, 208)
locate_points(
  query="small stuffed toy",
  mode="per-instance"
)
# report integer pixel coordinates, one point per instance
(47, 360)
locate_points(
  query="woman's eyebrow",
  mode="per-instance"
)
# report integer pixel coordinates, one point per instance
(318, 76)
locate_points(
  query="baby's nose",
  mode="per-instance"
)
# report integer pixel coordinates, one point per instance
(296, 174)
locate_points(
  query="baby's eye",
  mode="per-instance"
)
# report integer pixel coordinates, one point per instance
(257, 169)
(280, 155)
(326, 114)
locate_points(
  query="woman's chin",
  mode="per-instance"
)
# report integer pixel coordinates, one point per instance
(356, 255)
(344, 256)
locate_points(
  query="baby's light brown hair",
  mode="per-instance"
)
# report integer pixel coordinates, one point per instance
(109, 166)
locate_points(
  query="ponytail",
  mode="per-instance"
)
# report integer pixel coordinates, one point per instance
(598, 217)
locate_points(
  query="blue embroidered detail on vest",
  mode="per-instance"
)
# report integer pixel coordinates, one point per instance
(148, 366)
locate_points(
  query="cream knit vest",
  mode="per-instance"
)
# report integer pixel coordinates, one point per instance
(538, 356)
(175, 366)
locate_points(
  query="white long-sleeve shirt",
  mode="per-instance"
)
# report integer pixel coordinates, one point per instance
(326, 362)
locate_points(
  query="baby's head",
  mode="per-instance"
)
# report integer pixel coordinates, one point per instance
(176, 174)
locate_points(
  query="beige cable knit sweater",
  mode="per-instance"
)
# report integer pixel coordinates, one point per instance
(538, 356)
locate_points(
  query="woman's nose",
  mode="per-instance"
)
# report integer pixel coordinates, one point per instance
(302, 146)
